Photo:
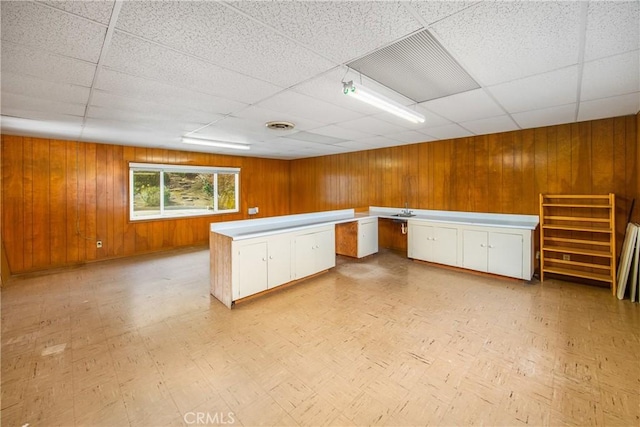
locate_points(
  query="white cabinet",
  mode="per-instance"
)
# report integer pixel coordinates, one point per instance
(261, 264)
(367, 237)
(496, 251)
(314, 251)
(433, 242)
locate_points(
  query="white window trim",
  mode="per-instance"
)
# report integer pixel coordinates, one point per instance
(159, 167)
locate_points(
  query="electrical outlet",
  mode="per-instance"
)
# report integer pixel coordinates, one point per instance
(98, 244)
(566, 257)
(253, 211)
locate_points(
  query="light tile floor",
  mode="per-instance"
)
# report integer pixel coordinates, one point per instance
(380, 341)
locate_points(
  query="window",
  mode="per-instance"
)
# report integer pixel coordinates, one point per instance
(170, 191)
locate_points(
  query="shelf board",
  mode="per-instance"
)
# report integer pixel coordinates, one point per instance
(579, 241)
(577, 251)
(573, 228)
(578, 263)
(576, 218)
(576, 196)
(577, 273)
(574, 205)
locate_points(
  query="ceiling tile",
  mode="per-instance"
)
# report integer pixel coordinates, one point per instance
(378, 141)
(491, 125)
(611, 76)
(132, 109)
(223, 36)
(318, 24)
(20, 102)
(434, 11)
(356, 146)
(36, 88)
(341, 132)
(612, 27)
(372, 126)
(541, 91)
(609, 107)
(148, 120)
(291, 102)
(447, 132)
(51, 30)
(502, 41)
(117, 132)
(431, 119)
(141, 58)
(151, 90)
(546, 116)
(99, 11)
(42, 125)
(25, 61)
(410, 137)
(466, 106)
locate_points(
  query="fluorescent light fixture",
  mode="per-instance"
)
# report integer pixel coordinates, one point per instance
(381, 101)
(211, 143)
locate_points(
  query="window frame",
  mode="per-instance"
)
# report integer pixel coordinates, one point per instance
(162, 168)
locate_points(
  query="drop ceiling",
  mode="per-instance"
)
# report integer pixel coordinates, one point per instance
(147, 73)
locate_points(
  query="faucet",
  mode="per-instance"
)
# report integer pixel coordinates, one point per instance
(406, 210)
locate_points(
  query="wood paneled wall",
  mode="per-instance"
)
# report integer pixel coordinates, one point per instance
(59, 197)
(501, 173)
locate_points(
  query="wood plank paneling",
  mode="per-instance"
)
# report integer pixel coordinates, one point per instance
(502, 173)
(59, 197)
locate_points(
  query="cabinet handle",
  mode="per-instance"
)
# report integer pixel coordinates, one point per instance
(264, 259)
(490, 246)
(270, 257)
(482, 245)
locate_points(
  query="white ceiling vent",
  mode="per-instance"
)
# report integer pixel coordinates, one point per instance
(417, 67)
(279, 125)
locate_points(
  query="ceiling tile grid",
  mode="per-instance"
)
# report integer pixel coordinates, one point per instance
(224, 37)
(433, 11)
(612, 27)
(546, 116)
(465, 106)
(21, 102)
(544, 90)
(46, 66)
(363, 26)
(52, 30)
(503, 41)
(611, 76)
(99, 11)
(141, 58)
(151, 90)
(615, 106)
(20, 84)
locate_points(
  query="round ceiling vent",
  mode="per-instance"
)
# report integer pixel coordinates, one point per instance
(280, 125)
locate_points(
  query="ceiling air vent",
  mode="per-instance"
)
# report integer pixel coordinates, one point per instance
(417, 67)
(280, 125)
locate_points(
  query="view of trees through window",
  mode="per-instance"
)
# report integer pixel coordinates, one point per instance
(167, 193)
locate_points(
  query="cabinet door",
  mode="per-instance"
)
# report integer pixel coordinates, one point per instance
(252, 263)
(445, 245)
(367, 238)
(279, 264)
(505, 254)
(420, 240)
(474, 250)
(325, 250)
(304, 255)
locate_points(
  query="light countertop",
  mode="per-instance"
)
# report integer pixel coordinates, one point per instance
(261, 227)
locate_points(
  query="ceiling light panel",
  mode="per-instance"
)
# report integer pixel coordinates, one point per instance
(145, 59)
(418, 67)
(47, 66)
(21, 84)
(609, 107)
(501, 41)
(612, 27)
(540, 91)
(611, 76)
(318, 24)
(99, 11)
(51, 30)
(223, 36)
(151, 90)
(546, 116)
(466, 106)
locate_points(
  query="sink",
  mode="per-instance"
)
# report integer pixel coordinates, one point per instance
(404, 215)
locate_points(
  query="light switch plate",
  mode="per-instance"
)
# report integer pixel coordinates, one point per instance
(253, 211)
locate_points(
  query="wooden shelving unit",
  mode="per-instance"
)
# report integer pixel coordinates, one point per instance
(577, 236)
